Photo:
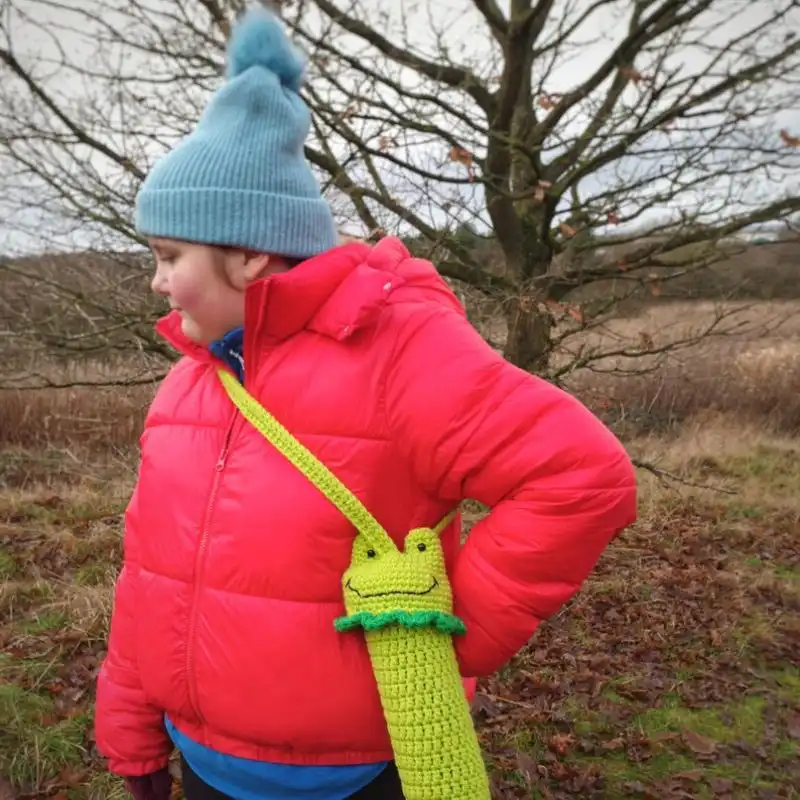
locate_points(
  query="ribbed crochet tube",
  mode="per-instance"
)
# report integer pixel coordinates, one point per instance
(435, 747)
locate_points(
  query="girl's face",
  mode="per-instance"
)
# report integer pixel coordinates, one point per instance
(206, 285)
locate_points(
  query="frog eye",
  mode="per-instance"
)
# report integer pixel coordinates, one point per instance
(371, 553)
(422, 547)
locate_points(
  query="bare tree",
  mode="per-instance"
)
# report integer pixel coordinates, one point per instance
(532, 150)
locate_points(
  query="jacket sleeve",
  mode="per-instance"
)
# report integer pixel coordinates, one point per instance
(559, 484)
(128, 730)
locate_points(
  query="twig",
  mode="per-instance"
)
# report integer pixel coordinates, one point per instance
(667, 478)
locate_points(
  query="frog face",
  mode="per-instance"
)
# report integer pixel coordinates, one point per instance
(390, 580)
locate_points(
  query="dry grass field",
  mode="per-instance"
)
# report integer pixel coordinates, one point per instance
(739, 359)
(673, 674)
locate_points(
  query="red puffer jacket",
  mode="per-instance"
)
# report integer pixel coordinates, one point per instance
(225, 606)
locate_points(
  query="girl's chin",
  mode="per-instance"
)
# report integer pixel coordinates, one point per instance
(192, 331)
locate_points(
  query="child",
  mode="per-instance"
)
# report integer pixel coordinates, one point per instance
(222, 642)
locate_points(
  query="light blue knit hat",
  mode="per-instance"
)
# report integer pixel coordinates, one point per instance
(241, 178)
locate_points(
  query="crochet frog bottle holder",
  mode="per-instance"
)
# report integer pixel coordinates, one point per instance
(401, 599)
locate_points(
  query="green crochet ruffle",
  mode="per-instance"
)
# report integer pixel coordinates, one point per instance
(446, 623)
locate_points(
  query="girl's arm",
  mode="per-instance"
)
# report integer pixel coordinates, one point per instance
(128, 730)
(559, 484)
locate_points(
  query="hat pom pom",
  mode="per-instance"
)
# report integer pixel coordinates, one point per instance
(258, 39)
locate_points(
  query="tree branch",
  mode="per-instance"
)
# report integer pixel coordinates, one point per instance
(623, 145)
(457, 77)
(660, 21)
(494, 17)
(80, 134)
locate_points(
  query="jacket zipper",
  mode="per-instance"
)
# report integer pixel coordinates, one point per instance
(200, 565)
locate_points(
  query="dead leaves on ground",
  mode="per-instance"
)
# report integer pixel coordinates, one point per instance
(668, 614)
(664, 623)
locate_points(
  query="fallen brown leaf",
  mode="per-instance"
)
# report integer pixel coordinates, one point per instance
(73, 777)
(642, 790)
(562, 742)
(527, 767)
(613, 744)
(482, 704)
(721, 785)
(699, 744)
(693, 775)
(559, 771)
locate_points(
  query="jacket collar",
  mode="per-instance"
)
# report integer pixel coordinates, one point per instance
(335, 294)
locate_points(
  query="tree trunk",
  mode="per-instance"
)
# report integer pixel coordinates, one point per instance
(529, 326)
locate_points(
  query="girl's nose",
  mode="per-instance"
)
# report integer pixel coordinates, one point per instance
(159, 284)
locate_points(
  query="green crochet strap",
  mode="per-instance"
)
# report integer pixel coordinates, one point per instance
(341, 497)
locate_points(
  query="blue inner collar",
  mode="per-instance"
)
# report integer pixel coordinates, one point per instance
(230, 349)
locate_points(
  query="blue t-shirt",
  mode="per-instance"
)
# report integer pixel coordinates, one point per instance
(241, 778)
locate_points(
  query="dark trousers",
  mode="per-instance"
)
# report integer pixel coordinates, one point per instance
(385, 787)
